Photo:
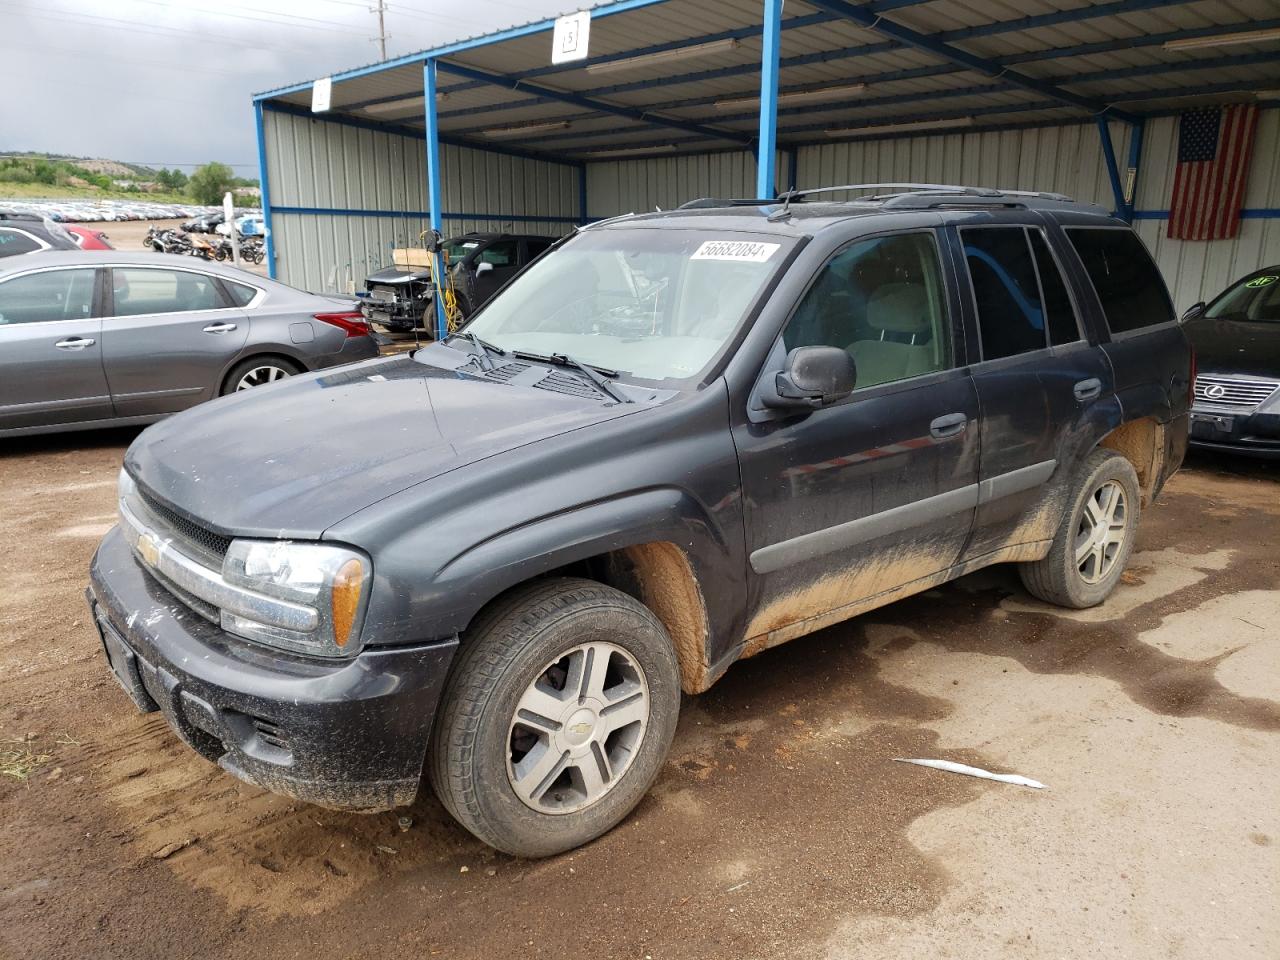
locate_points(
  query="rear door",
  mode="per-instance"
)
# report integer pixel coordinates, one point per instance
(503, 257)
(168, 338)
(877, 491)
(51, 349)
(1037, 376)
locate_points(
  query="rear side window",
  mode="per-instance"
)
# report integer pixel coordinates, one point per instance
(140, 291)
(1005, 291)
(241, 293)
(51, 295)
(1058, 309)
(13, 242)
(1132, 293)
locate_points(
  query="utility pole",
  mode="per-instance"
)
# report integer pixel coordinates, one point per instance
(381, 10)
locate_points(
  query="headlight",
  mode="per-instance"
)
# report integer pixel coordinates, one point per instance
(331, 580)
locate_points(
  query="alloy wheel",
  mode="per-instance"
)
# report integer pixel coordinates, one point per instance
(1101, 533)
(256, 377)
(577, 728)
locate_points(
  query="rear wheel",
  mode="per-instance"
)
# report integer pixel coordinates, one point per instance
(257, 371)
(556, 717)
(1092, 545)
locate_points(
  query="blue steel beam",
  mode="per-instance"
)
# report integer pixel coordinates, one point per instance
(1135, 165)
(433, 189)
(264, 186)
(964, 58)
(842, 53)
(586, 103)
(1113, 169)
(766, 148)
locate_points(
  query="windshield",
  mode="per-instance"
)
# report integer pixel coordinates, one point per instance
(655, 304)
(1257, 298)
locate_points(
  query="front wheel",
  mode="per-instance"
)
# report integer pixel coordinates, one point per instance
(1094, 540)
(556, 717)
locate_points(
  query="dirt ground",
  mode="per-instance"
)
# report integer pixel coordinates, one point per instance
(128, 235)
(780, 827)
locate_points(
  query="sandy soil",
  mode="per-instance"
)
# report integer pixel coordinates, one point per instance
(128, 234)
(781, 827)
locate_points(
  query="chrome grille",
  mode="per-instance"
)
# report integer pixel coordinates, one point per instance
(1232, 391)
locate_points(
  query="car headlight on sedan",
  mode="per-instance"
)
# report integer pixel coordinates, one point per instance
(333, 581)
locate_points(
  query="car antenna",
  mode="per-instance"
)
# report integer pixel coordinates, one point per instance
(785, 212)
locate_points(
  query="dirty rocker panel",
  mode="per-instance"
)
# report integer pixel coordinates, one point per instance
(808, 546)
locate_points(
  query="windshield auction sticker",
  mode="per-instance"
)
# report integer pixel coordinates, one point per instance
(1261, 282)
(748, 251)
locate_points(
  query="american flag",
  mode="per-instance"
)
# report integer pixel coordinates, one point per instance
(1214, 146)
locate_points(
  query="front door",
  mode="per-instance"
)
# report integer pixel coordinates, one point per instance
(51, 350)
(503, 258)
(169, 335)
(875, 493)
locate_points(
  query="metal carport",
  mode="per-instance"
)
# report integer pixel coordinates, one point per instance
(681, 98)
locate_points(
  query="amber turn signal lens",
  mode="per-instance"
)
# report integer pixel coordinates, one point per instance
(347, 586)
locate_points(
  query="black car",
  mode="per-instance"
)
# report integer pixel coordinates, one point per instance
(479, 264)
(30, 233)
(205, 223)
(1237, 343)
(677, 440)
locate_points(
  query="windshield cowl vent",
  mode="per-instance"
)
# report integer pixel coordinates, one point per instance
(557, 381)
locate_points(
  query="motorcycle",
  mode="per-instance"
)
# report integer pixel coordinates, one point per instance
(202, 248)
(251, 249)
(167, 241)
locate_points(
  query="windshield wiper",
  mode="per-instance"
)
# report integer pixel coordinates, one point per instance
(592, 373)
(485, 350)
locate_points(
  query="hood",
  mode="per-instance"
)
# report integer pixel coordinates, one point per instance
(291, 459)
(1236, 346)
(395, 276)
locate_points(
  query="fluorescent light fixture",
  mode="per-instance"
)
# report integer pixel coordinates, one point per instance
(395, 106)
(664, 56)
(797, 96)
(1222, 39)
(871, 131)
(629, 151)
(497, 133)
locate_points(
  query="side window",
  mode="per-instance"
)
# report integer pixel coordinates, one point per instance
(13, 242)
(51, 295)
(537, 248)
(141, 291)
(1005, 291)
(1132, 293)
(241, 293)
(882, 300)
(1063, 326)
(501, 253)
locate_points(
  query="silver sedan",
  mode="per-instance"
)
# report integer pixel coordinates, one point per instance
(109, 339)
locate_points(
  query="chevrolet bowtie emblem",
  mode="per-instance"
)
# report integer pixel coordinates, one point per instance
(582, 729)
(149, 549)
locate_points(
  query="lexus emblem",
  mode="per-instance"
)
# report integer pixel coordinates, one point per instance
(1215, 391)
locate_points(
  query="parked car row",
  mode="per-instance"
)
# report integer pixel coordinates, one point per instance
(96, 211)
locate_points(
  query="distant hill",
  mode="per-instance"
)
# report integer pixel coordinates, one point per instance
(33, 174)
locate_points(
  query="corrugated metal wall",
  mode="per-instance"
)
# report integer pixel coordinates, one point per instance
(1197, 270)
(1060, 159)
(342, 197)
(638, 186)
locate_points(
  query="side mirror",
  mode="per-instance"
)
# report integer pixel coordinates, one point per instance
(1194, 311)
(813, 377)
(483, 266)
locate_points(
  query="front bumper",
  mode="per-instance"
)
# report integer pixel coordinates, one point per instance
(1251, 434)
(350, 735)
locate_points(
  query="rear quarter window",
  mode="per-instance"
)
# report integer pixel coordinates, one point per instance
(1129, 286)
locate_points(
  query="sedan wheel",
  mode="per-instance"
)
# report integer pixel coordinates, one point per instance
(257, 376)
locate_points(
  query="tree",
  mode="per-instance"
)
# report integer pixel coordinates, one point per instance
(210, 182)
(171, 179)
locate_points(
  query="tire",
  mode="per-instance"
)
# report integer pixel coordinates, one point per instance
(1062, 577)
(282, 367)
(527, 788)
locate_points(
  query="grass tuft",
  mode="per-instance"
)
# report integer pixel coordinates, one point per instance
(18, 761)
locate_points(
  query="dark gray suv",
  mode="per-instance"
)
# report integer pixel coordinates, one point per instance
(676, 441)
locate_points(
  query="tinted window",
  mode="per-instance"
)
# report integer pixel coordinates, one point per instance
(501, 253)
(1063, 327)
(882, 300)
(52, 295)
(13, 242)
(241, 293)
(538, 247)
(1257, 298)
(1005, 291)
(1132, 293)
(139, 291)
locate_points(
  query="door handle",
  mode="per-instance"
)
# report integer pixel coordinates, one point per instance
(950, 425)
(219, 328)
(1088, 389)
(75, 343)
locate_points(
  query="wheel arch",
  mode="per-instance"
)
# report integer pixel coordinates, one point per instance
(257, 353)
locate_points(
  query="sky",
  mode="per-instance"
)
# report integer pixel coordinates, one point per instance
(169, 82)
